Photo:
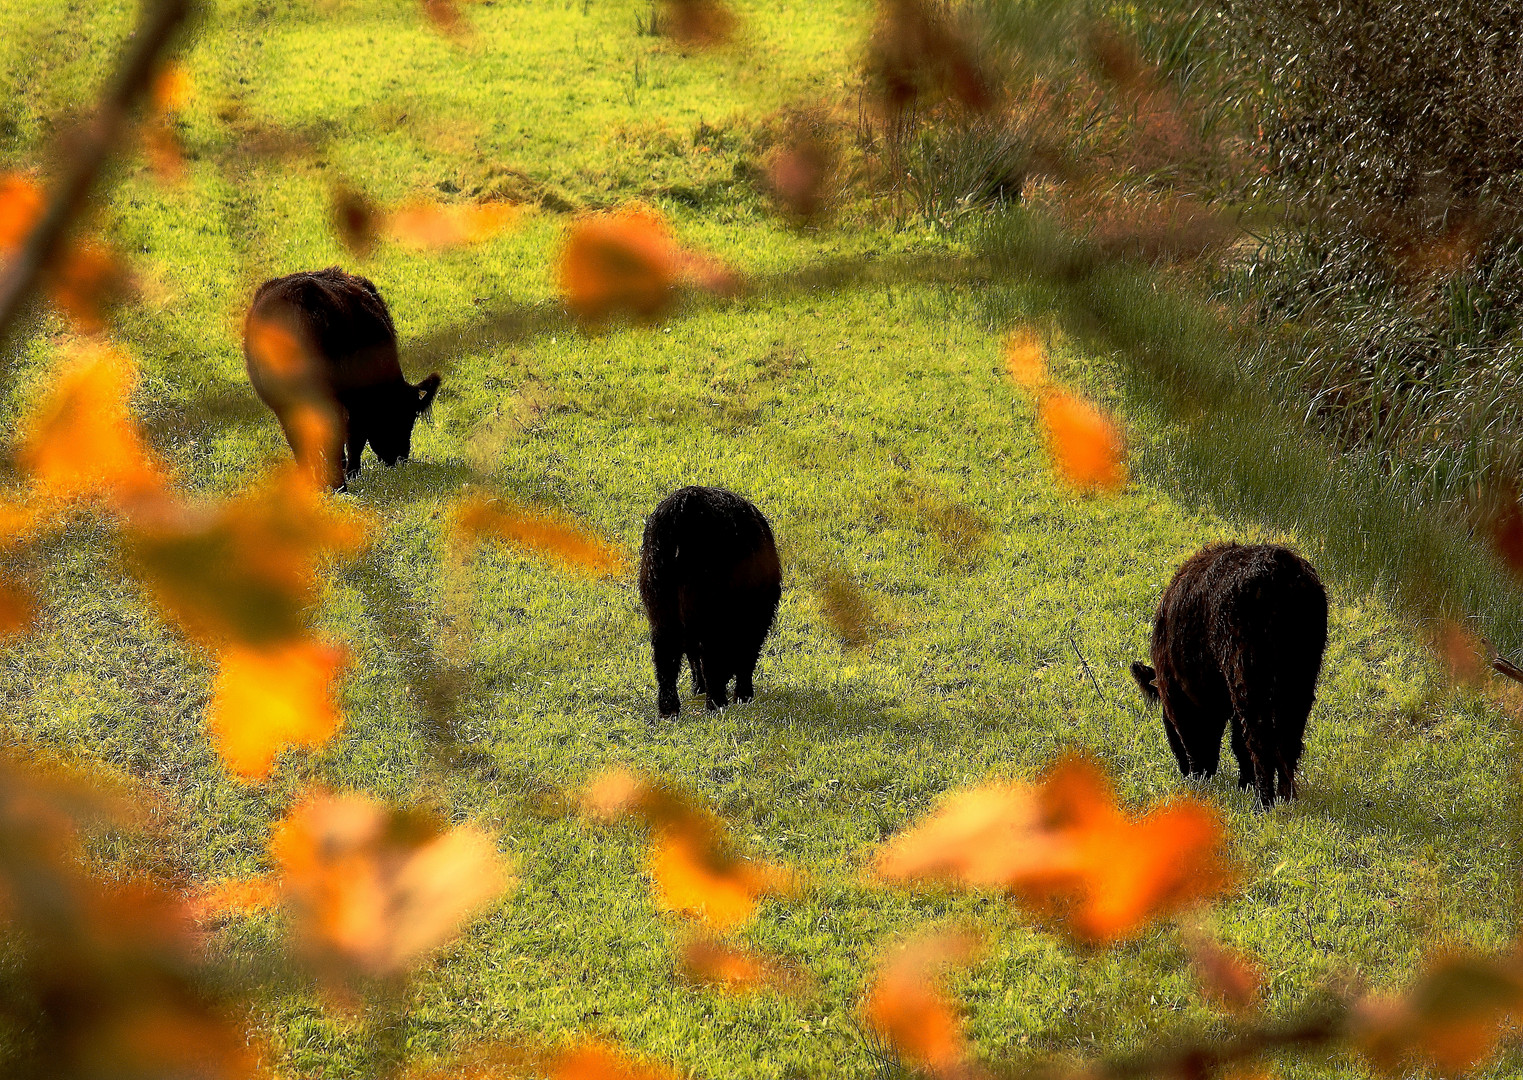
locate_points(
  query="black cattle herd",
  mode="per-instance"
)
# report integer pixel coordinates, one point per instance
(1238, 636)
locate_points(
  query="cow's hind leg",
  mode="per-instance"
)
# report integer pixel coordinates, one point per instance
(1194, 728)
(666, 651)
(322, 456)
(1240, 751)
(695, 669)
(716, 677)
(1253, 711)
(1291, 711)
(758, 621)
(714, 663)
(745, 688)
(354, 446)
(1176, 745)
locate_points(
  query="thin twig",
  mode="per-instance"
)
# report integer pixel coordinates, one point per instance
(1506, 667)
(1189, 1060)
(1085, 663)
(100, 137)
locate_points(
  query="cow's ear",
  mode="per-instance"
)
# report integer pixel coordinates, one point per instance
(1147, 680)
(426, 391)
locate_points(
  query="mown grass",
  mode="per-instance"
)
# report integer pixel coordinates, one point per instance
(856, 396)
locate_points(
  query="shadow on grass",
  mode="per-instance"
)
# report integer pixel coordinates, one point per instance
(388, 487)
(225, 407)
(1411, 818)
(822, 709)
(438, 687)
(842, 708)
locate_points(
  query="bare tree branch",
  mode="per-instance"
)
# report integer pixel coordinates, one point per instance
(149, 43)
(1203, 1059)
(1506, 667)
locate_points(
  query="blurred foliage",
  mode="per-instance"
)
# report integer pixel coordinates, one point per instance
(1096, 113)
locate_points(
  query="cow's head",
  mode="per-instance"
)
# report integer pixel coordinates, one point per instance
(1147, 680)
(391, 431)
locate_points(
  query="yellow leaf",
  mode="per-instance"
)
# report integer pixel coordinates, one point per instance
(542, 533)
(905, 1006)
(81, 440)
(375, 889)
(269, 698)
(1084, 442)
(1067, 839)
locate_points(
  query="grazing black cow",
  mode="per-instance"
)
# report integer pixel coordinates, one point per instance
(322, 343)
(710, 581)
(1239, 634)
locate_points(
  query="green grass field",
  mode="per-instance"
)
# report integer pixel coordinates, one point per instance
(855, 394)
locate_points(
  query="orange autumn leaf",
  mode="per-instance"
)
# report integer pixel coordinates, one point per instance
(168, 95)
(620, 263)
(154, 1037)
(907, 1009)
(171, 89)
(1227, 976)
(594, 1060)
(708, 274)
(694, 876)
(1129, 872)
(1453, 1017)
(693, 865)
(708, 961)
(434, 225)
(984, 837)
(242, 570)
(446, 15)
(628, 263)
(704, 23)
(124, 960)
(83, 281)
(1067, 840)
(1026, 359)
(288, 367)
(234, 897)
(798, 177)
(1462, 652)
(314, 428)
(81, 440)
(544, 534)
(374, 889)
(162, 149)
(613, 793)
(1085, 443)
(356, 219)
(1503, 526)
(266, 699)
(919, 51)
(276, 349)
(18, 523)
(21, 206)
(17, 608)
(849, 611)
(83, 275)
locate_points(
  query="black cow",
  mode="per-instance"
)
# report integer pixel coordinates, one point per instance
(710, 581)
(321, 344)
(1239, 634)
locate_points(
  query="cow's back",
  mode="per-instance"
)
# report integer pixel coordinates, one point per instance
(340, 320)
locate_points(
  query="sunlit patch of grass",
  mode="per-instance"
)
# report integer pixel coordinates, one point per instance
(858, 395)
